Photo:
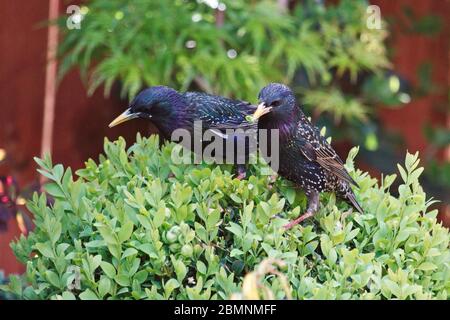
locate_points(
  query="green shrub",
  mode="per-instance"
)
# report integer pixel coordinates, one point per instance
(136, 226)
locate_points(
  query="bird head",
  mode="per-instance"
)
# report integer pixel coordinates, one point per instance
(276, 99)
(158, 103)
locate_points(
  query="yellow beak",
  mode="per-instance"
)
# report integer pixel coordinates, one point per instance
(124, 117)
(261, 110)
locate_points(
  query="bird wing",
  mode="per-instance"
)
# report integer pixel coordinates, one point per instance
(220, 129)
(320, 151)
(219, 113)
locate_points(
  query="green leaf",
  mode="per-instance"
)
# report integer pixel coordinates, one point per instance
(58, 172)
(213, 219)
(46, 174)
(40, 163)
(141, 276)
(235, 198)
(126, 231)
(104, 286)
(144, 221)
(53, 278)
(159, 217)
(67, 178)
(54, 190)
(235, 229)
(236, 253)
(148, 249)
(129, 252)
(67, 295)
(352, 234)
(201, 267)
(403, 173)
(115, 250)
(45, 249)
(201, 232)
(56, 232)
(427, 266)
(107, 234)
(169, 286)
(180, 270)
(88, 294)
(15, 284)
(122, 280)
(95, 244)
(108, 269)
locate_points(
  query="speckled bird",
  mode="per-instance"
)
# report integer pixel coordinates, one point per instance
(306, 158)
(169, 110)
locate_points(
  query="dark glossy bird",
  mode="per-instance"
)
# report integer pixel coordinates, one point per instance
(306, 158)
(169, 110)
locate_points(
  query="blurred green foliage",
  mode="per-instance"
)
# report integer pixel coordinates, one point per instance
(137, 226)
(428, 24)
(5, 281)
(234, 50)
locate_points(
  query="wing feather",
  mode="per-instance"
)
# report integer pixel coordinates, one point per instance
(321, 152)
(219, 113)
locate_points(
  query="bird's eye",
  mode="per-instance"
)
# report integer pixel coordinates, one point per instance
(140, 109)
(276, 103)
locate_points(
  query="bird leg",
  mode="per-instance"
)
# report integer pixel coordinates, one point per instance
(313, 207)
(241, 171)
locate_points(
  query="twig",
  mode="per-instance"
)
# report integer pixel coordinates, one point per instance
(50, 82)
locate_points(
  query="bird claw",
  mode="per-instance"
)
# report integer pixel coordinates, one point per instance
(295, 222)
(241, 172)
(241, 176)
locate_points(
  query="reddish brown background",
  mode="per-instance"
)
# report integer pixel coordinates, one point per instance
(81, 122)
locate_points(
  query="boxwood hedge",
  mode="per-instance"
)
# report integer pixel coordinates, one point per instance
(137, 226)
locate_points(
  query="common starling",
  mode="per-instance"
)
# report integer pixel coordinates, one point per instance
(169, 110)
(306, 158)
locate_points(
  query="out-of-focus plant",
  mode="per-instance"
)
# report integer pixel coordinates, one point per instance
(253, 287)
(12, 202)
(428, 24)
(438, 171)
(391, 88)
(234, 48)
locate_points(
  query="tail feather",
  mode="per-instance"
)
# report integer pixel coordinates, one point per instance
(352, 199)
